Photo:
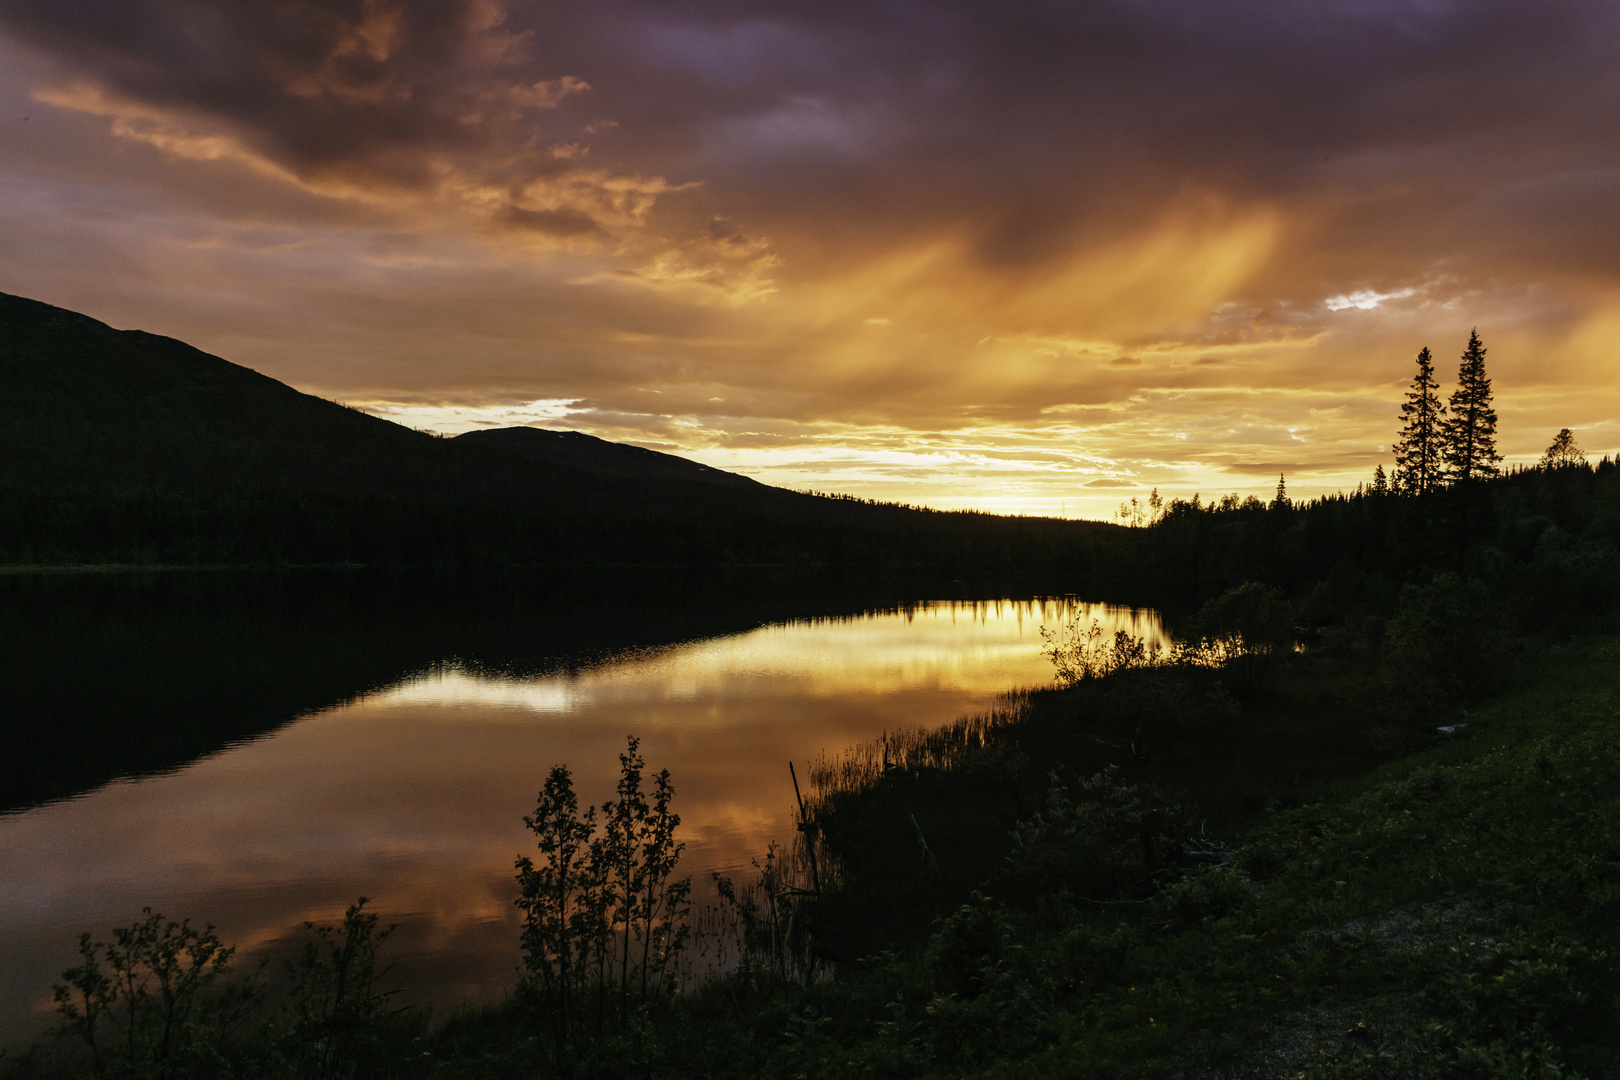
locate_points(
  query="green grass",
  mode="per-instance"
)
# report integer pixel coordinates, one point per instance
(1451, 913)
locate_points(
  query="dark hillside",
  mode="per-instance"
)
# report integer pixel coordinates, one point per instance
(85, 402)
(126, 447)
(551, 451)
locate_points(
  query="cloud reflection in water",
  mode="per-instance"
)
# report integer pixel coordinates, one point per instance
(413, 795)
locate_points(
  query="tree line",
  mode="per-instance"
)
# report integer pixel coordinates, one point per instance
(1545, 536)
(1441, 443)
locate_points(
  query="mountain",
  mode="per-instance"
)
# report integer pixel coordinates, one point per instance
(127, 447)
(555, 451)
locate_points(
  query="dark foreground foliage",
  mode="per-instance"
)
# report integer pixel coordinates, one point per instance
(161, 999)
(1449, 914)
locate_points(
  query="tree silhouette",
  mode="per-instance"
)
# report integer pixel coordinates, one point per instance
(1563, 451)
(1417, 451)
(1245, 631)
(1282, 499)
(1469, 433)
(1380, 484)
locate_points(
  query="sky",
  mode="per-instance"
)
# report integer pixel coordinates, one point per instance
(1030, 258)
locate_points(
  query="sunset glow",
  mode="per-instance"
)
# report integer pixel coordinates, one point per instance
(963, 255)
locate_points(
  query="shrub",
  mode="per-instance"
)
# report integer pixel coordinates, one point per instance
(605, 919)
(146, 1003)
(1447, 643)
(1083, 653)
(338, 1014)
(1205, 894)
(1243, 632)
(1101, 840)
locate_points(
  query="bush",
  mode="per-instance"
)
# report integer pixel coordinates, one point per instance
(1102, 840)
(146, 1003)
(1571, 584)
(1447, 643)
(338, 1014)
(1244, 632)
(1081, 654)
(1206, 894)
(605, 919)
(1183, 693)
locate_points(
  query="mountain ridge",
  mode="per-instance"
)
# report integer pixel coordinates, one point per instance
(128, 447)
(590, 453)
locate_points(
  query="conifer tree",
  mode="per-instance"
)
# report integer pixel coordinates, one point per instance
(1380, 484)
(1418, 465)
(1282, 499)
(1468, 435)
(1563, 451)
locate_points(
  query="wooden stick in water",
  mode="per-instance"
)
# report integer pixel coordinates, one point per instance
(804, 827)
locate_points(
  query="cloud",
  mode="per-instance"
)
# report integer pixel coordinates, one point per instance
(1365, 299)
(168, 132)
(408, 104)
(1160, 234)
(559, 223)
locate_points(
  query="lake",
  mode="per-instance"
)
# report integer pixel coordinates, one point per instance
(412, 792)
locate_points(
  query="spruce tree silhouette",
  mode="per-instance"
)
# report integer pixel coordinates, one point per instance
(1282, 500)
(1468, 438)
(1417, 450)
(1468, 435)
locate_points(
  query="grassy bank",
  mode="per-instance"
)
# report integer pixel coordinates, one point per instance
(1451, 912)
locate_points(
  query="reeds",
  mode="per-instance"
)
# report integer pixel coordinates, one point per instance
(763, 927)
(914, 749)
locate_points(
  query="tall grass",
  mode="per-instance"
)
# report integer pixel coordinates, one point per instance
(912, 750)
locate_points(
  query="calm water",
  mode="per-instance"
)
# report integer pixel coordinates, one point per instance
(413, 794)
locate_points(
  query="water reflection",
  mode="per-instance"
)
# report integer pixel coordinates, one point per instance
(412, 795)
